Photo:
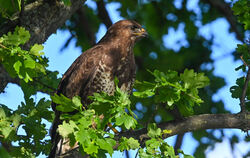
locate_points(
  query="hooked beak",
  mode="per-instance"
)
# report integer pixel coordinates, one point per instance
(141, 33)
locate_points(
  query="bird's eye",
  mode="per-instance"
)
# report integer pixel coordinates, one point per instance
(134, 27)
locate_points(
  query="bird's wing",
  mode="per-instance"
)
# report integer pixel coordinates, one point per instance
(80, 73)
(74, 81)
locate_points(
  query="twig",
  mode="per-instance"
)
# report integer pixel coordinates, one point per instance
(244, 91)
(22, 8)
(49, 87)
(241, 57)
(127, 154)
(137, 153)
(178, 142)
(3, 46)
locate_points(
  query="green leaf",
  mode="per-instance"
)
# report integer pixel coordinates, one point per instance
(64, 103)
(144, 94)
(106, 144)
(36, 50)
(133, 143)
(16, 120)
(129, 122)
(194, 80)
(85, 122)
(6, 131)
(19, 36)
(2, 113)
(66, 128)
(236, 90)
(153, 131)
(170, 151)
(152, 144)
(120, 120)
(144, 154)
(91, 149)
(77, 102)
(29, 63)
(17, 66)
(127, 144)
(82, 136)
(242, 9)
(167, 94)
(185, 155)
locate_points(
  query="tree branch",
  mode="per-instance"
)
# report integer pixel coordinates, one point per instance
(178, 142)
(103, 13)
(244, 91)
(189, 124)
(193, 123)
(41, 20)
(225, 9)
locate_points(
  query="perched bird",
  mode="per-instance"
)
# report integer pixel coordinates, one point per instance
(95, 69)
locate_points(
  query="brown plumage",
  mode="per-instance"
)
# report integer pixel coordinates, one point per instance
(95, 70)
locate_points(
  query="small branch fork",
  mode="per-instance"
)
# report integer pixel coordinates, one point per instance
(244, 91)
(245, 113)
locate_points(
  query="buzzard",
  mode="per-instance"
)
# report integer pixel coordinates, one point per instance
(95, 69)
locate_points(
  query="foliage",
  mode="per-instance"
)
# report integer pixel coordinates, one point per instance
(173, 90)
(8, 8)
(24, 64)
(86, 126)
(157, 93)
(157, 147)
(241, 8)
(29, 117)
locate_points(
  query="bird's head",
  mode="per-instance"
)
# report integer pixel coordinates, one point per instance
(127, 29)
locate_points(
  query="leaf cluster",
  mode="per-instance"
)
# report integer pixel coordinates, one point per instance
(156, 146)
(29, 117)
(18, 62)
(173, 89)
(88, 126)
(241, 8)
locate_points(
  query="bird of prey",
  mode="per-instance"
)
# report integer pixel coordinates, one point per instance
(95, 70)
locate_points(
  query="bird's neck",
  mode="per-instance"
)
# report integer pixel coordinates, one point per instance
(126, 46)
(122, 44)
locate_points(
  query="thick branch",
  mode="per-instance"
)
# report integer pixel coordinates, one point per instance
(41, 20)
(189, 124)
(193, 123)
